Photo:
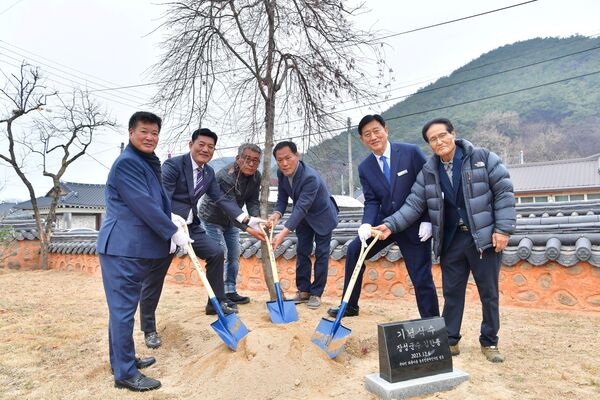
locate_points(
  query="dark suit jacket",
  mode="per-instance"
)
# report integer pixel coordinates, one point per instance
(382, 199)
(138, 211)
(312, 201)
(178, 180)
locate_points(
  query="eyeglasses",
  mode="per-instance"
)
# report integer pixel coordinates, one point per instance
(438, 138)
(251, 160)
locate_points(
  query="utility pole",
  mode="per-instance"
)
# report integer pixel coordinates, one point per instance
(350, 178)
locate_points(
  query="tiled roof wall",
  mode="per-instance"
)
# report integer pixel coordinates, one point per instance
(562, 232)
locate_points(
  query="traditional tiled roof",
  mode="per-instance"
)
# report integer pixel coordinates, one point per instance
(562, 232)
(73, 195)
(6, 209)
(556, 175)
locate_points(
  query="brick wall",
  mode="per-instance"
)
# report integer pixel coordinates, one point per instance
(549, 286)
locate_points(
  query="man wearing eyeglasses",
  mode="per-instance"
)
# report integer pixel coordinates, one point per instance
(240, 182)
(186, 178)
(386, 176)
(469, 196)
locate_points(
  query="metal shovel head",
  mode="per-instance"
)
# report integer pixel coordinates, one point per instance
(230, 328)
(330, 338)
(282, 311)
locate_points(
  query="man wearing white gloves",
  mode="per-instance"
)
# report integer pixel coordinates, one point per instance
(469, 197)
(186, 178)
(387, 176)
(134, 241)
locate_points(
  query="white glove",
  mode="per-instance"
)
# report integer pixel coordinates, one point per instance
(364, 233)
(181, 239)
(255, 222)
(173, 247)
(178, 221)
(425, 231)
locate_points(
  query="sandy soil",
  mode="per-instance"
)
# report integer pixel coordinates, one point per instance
(53, 345)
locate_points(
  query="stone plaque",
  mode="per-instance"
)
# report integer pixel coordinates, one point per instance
(413, 349)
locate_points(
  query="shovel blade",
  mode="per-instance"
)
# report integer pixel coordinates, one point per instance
(330, 337)
(282, 311)
(230, 329)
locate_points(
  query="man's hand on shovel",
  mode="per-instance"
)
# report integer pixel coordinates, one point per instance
(182, 240)
(383, 231)
(257, 234)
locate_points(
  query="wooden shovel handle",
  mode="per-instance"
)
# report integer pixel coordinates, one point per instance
(198, 266)
(271, 253)
(361, 258)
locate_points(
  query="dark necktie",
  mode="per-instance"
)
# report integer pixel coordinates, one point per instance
(386, 168)
(199, 183)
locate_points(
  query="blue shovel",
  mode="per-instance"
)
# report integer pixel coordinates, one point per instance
(331, 336)
(229, 327)
(281, 311)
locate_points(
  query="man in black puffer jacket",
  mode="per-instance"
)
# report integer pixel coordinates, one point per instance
(469, 196)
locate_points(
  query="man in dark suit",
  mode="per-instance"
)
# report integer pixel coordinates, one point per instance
(133, 240)
(387, 176)
(313, 217)
(186, 178)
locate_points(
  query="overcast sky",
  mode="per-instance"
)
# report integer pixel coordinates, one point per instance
(103, 44)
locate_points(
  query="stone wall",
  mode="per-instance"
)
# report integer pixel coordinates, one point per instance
(549, 286)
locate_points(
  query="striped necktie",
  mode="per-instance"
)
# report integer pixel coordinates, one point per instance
(199, 183)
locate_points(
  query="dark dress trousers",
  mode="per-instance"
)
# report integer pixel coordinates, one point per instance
(178, 181)
(383, 198)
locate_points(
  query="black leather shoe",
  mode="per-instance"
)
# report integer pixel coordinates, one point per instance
(237, 299)
(141, 363)
(139, 383)
(350, 311)
(152, 340)
(227, 308)
(144, 362)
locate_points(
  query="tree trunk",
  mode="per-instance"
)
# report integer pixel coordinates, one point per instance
(266, 178)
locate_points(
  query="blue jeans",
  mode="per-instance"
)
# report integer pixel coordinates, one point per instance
(229, 240)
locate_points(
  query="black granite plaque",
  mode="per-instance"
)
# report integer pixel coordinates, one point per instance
(413, 349)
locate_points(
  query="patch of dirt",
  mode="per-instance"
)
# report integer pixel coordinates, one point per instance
(53, 345)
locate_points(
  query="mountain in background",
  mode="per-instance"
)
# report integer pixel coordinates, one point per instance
(529, 101)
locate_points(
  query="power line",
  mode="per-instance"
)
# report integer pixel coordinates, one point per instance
(451, 105)
(456, 20)
(11, 6)
(132, 86)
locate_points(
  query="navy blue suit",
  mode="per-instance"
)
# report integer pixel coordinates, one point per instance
(313, 217)
(134, 238)
(383, 198)
(178, 181)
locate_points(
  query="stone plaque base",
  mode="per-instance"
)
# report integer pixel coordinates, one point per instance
(414, 387)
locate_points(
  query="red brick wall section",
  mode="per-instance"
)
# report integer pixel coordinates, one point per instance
(550, 286)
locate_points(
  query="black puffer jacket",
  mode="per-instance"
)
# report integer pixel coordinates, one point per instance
(488, 193)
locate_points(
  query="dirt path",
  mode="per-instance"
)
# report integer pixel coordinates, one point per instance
(53, 345)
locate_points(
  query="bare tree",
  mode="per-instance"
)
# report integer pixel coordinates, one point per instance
(53, 142)
(252, 64)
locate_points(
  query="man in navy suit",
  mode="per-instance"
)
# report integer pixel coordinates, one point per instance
(133, 240)
(186, 178)
(313, 217)
(387, 176)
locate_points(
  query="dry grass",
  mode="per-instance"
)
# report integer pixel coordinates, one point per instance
(53, 345)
